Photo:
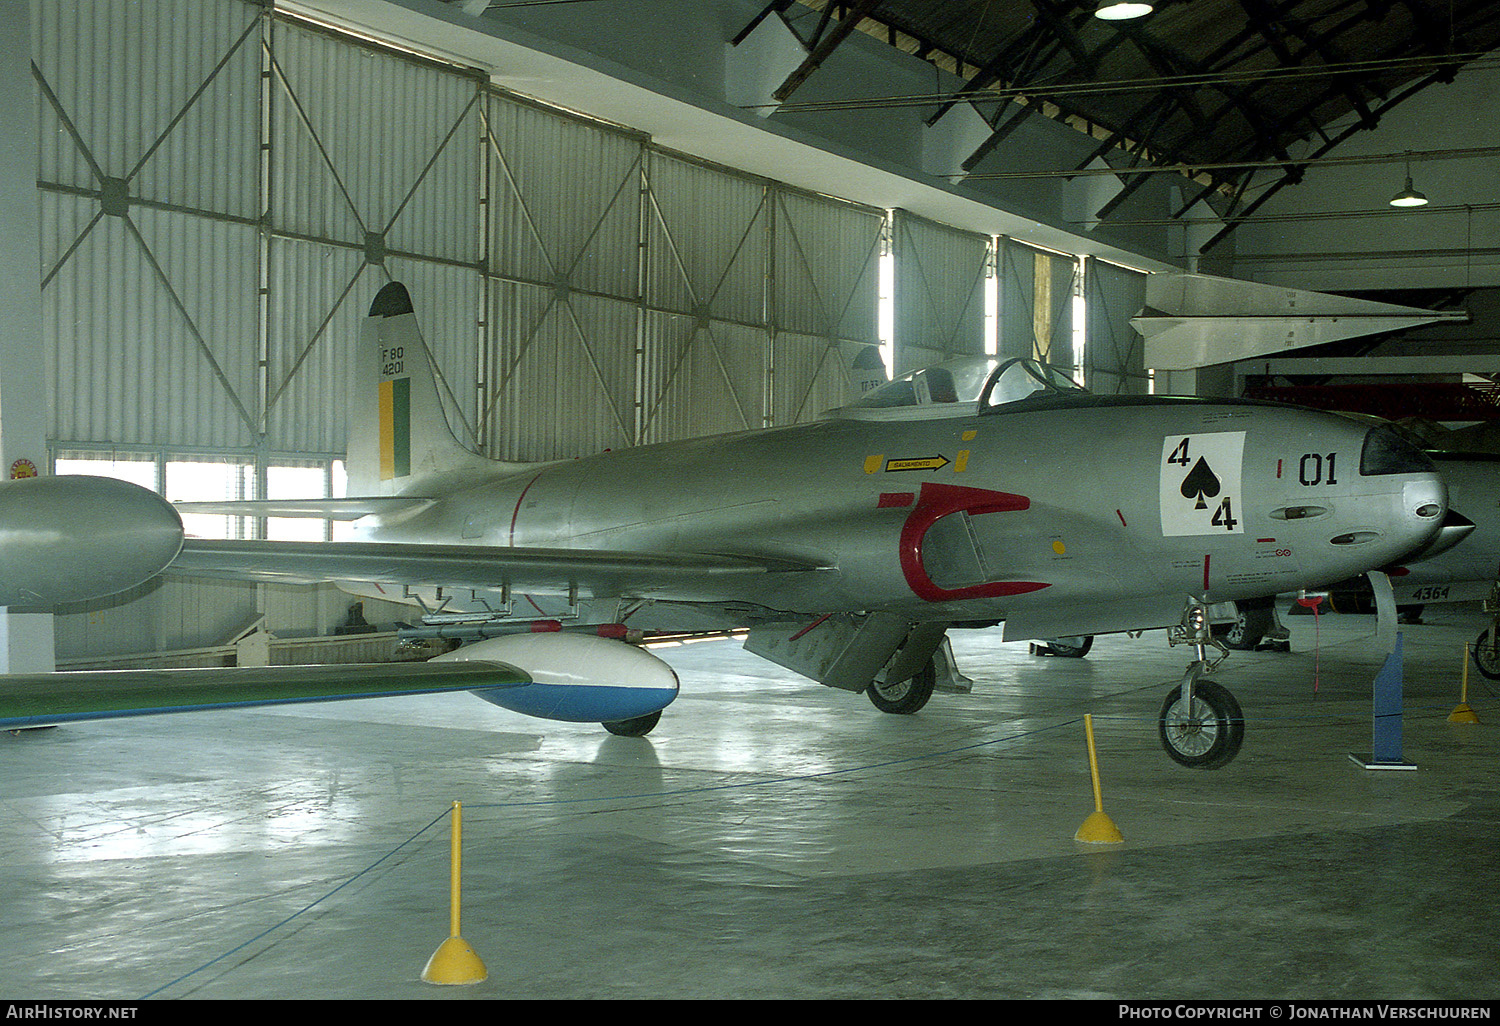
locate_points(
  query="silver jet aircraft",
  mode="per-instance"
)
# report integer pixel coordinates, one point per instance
(963, 495)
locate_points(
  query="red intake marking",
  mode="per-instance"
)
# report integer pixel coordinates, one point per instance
(889, 500)
(935, 502)
(1122, 518)
(1205, 571)
(1278, 469)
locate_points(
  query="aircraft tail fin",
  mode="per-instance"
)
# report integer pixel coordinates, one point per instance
(398, 431)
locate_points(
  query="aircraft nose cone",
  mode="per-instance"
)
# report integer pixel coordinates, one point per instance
(1425, 500)
(1424, 506)
(67, 539)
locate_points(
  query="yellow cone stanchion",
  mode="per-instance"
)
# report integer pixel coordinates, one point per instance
(1098, 828)
(454, 962)
(1463, 714)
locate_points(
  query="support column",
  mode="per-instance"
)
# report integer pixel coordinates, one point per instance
(26, 640)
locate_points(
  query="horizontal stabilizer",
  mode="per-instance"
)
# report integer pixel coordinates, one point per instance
(43, 699)
(684, 576)
(326, 509)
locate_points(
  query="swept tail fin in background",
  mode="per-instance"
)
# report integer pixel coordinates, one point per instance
(398, 432)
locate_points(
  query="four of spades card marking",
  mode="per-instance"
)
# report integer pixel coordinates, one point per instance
(1200, 483)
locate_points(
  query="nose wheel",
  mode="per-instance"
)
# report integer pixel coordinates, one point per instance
(1201, 730)
(1200, 725)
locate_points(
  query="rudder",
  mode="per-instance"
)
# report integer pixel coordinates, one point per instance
(398, 431)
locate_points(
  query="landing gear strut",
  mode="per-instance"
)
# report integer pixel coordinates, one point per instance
(1200, 724)
(1487, 645)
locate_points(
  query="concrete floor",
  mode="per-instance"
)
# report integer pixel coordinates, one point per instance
(775, 839)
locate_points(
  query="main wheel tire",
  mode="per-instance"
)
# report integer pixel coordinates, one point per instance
(1486, 656)
(1069, 648)
(640, 726)
(1247, 631)
(906, 697)
(1207, 737)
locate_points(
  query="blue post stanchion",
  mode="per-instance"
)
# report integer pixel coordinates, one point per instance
(1385, 750)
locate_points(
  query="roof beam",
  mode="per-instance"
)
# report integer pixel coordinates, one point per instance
(824, 46)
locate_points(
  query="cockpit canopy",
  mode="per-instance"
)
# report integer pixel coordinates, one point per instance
(962, 388)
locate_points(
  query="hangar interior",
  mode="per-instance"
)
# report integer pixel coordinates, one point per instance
(627, 223)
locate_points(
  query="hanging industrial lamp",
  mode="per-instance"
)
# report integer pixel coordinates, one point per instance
(1121, 10)
(1408, 197)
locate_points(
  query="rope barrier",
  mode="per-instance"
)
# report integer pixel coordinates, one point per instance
(742, 786)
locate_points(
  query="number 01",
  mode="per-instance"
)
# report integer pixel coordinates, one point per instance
(1310, 470)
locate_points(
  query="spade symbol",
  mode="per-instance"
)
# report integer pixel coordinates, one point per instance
(1200, 482)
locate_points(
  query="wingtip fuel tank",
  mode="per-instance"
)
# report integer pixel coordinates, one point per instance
(577, 678)
(73, 538)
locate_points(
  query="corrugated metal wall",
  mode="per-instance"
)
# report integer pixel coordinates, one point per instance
(1036, 303)
(939, 291)
(707, 324)
(215, 224)
(564, 254)
(149, 250)
(825, 282)
(1116, 351)
(371, 174)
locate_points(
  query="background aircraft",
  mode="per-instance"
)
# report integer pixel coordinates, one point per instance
(1461, 565)
(962, 495)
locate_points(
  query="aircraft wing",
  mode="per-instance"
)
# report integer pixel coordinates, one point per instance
(45, 699)
(685, 576)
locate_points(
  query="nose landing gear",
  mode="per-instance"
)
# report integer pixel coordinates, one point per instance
(1200, 724)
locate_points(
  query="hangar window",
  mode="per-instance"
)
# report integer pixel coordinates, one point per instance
(207, 477)
(136, 467)
(297, 480)
(210, 479)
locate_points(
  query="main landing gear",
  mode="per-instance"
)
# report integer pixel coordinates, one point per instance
(1487, 645)
(907, 696)
(1068, 648)
(1200, 725)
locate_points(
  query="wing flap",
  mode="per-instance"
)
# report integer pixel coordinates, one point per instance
(44, 699)
(680, 575)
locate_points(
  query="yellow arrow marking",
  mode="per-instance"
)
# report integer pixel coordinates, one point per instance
(920, 463)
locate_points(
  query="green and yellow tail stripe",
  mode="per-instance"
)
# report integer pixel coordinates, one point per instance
(395, 428)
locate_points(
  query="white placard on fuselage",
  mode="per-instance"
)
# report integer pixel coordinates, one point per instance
(1200, 483)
